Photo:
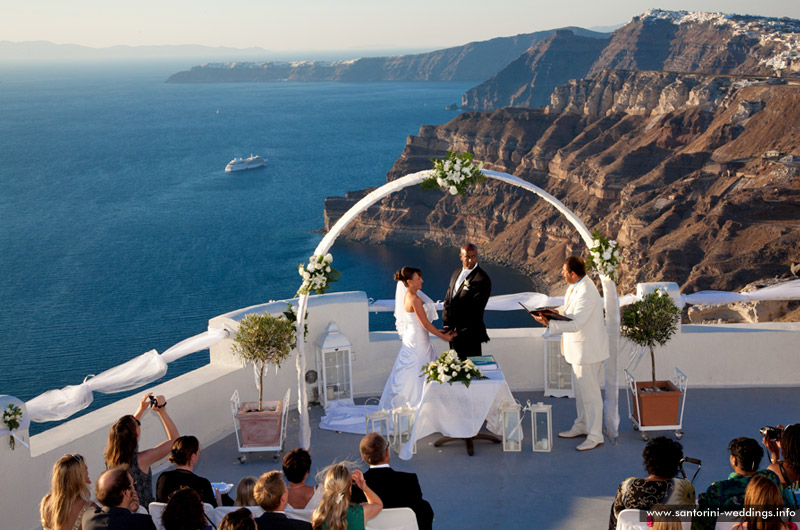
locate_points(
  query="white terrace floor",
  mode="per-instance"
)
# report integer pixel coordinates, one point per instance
(563, 489)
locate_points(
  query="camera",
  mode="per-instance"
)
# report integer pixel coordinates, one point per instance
(154, 402)
(771, 433)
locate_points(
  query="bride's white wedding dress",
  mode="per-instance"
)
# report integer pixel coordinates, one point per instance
(405, 382)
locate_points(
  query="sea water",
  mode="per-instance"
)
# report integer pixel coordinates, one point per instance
(122, 233)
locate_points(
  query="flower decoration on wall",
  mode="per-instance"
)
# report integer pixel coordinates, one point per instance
(604, 256)
(317, 275)
(454, 174)
(11, 417)
(448, 369)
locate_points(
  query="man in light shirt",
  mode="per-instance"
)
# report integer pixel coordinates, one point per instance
(584, 345)
(465, 302)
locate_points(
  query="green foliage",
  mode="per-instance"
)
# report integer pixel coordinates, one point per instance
(264, 339)
(651, 322)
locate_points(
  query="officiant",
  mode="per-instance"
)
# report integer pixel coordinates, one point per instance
(465, 302)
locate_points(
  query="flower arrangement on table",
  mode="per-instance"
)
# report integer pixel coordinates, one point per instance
(449, 369)
(11, 416)
(454, 174)
(317, 275)
(604, 256)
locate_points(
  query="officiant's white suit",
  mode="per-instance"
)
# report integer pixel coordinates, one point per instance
(584, 344)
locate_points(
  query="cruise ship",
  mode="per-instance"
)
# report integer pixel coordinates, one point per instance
(240, 164)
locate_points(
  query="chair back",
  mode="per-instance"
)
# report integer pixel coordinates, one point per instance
(156, 511)
(394, 519)
(629, 519)
(302, 515)
(222, 511)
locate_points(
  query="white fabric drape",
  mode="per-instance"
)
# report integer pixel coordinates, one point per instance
(60, 404)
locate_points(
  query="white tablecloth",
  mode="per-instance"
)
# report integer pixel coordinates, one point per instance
(457, 411)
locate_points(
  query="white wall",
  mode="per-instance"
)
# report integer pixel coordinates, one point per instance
(711, 355)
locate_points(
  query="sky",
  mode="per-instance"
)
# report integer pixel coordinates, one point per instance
(286, 25)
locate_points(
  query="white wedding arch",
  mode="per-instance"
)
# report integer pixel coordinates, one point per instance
(611, 404)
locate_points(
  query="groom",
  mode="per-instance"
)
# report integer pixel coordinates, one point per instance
(466, 299)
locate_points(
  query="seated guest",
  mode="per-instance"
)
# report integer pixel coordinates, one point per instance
(184, 454)
(184, 511)
(271, 494)
(69, 497)
(745, 457)
(241, 519)
(396, 489)
(296, 466)
(662, 457)
(762, 504)
(785, 462)
(115, 492)
(244, 492)
(336, 512)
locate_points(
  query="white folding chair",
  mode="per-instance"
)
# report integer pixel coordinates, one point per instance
(302, 515)
(632, 520)
(156, 510)
(222, 511)
(211, 514)
(394, 519)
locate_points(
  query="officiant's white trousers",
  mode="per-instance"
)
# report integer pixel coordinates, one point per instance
(589, 400)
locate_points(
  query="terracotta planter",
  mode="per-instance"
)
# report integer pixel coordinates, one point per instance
(260, 429)
(658, 408)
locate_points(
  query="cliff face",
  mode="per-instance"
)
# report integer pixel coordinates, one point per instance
(671, 165)
(657, 40)
(475, 61)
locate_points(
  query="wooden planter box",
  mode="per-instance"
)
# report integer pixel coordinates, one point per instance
(263, 428)
(658, 408)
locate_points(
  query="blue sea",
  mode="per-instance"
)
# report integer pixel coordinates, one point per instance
(122, 233)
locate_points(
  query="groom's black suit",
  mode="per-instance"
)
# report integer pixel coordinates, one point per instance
(397, 489)
(463, 311)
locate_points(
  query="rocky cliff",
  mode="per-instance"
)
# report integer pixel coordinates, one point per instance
(475, 61)
(657, 40)
(688, 171)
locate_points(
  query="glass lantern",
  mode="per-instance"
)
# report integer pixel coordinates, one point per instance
(512, 425)
(402, 426)
(541, 427)
(334, 360)
(378, 421)
(557, 371)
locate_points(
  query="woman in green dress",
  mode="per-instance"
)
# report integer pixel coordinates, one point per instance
(335, 511)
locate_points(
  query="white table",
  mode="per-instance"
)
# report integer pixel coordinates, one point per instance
(457, 411)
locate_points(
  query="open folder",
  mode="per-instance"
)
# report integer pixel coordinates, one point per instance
(546, 312)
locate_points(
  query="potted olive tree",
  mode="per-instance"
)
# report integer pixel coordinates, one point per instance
(263, 340)
(652, 322)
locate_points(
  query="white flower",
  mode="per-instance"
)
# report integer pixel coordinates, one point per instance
(327, 269)
(453, 190)
(447, 165)
(469, 376)
(305, 275)
(607, 254)
(595, 243)
(440, 181)
(616, 254)
(312, 259)
(328, 258)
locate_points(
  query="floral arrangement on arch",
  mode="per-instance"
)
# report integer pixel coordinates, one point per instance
(11, 416)
(454, 173)
(317, 275)
(604, 256)
(449, 369)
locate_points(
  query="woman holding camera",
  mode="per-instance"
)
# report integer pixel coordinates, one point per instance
(123, 445)
(785, 459)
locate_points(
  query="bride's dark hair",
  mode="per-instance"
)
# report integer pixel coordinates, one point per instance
(405, 274)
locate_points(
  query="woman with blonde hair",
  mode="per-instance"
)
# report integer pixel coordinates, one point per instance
(762, 502)
(123, 445)
(335, 511)
(244, 492)
(63, 507)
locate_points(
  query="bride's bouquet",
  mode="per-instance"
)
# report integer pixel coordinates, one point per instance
(448, 369)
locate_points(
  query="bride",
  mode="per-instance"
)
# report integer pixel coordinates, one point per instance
(413, 323)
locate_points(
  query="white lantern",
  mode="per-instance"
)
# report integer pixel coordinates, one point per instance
(378, 421)
(334, 362)
(512, 425)
(402, 426)
(557, 371)
(541, 426)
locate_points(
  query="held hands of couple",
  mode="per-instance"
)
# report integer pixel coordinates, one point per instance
(449, 334)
